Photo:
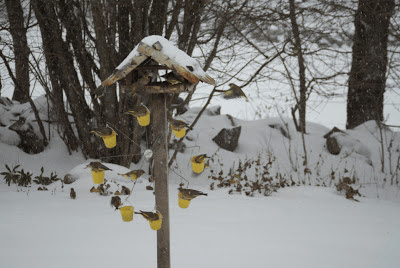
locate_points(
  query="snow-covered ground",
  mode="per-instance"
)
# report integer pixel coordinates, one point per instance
(300, 226)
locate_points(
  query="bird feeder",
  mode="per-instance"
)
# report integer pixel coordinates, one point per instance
(182, 201)
(197, 167)
(126, 213)
(98, 176)
(179, 132)
(152, 54)
(145, 119)
(108, 135)
(110, 141)
(156, 225)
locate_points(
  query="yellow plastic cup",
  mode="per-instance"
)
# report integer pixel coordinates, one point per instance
(182, 202)
(98, 176)
(156, 225)
(126, 213)
(197, 167)
(111, 140)
(145, 119)
(179, 133)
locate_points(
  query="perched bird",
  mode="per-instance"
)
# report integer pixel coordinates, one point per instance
(173, 78)
(97, 166)
(190, 193)
(200, 158)
(141, 82)
(134, 174)
(116, 202)
(179, 124)
(150, 216)
(103, 131)
(234, 92)
(139, 110)
(72, 194)
(125, 191)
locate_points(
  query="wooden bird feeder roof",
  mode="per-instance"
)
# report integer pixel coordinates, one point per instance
(167, 55)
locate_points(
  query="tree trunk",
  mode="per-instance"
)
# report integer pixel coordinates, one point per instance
(21, 49)
(301, 102)
(368, 70)
(63, 75)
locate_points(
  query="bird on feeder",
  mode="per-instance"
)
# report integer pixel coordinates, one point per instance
(103, 131)
(97, 166)
(200, 158)
(179, 124)
(134, 174)
(116, 202)
(72, 194)
(234, 92)
(173, 78)
(139, 110)
(189, 194)
(141, 82)
(148, 215)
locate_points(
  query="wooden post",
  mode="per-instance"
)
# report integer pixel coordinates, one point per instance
(160, 174)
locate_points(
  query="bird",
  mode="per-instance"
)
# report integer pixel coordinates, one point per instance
(103, 131)
(139, 110)
(234, 92)
(190, 193)
(72, 194)
(173, 78)
(134, 174)
(97, 166)
(116, 202)
(141, 82)
(200, 158)
(148, 215)
(179, 124)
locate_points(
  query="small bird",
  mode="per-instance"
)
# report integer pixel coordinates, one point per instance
(234, 92)
(200, 158)
(116, 202)
(150, 216)
(72, 194)
(141, 82)
(103, 131)
(173, 78)
(179, 124)
(97, 166)
(139, 110)
(134, 174)
(190, 193)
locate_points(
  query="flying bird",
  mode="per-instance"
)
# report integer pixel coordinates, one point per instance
(134, 174)
(234, 92)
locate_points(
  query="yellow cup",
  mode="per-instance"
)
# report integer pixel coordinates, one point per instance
(98, 176)
(182, 202)
(179, 133)
(145, 119)
(156, 225)
(126, 213)
(197, 167)
(111, 140)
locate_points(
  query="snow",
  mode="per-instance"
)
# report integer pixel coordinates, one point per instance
(168, 49)
(300, 226)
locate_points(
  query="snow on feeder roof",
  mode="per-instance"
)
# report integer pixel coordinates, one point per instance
(165, 53)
